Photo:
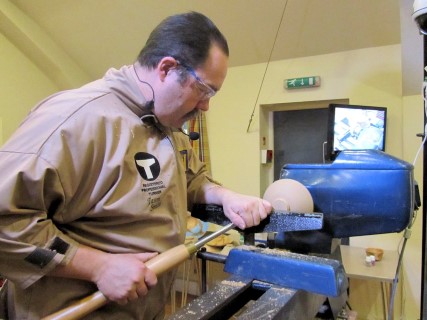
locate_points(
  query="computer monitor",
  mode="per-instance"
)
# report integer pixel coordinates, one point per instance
(355, 127)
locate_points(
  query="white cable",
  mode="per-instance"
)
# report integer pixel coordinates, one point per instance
(407, 232)
(424, 94)
(425, 128)
(420, 148)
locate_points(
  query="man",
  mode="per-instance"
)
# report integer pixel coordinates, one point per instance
(98, 180)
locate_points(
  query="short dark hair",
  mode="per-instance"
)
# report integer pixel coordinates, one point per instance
(186, 37)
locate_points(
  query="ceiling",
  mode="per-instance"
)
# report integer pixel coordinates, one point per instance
(98, 34)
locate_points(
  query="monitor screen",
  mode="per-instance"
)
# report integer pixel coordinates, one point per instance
(353, 127)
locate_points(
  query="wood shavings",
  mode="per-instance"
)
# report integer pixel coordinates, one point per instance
(233, 283)
(220, 241)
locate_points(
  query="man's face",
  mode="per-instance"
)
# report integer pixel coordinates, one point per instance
(184, 98)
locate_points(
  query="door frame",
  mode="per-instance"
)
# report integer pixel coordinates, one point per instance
(266, 131)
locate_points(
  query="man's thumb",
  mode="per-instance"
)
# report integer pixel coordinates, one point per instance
(147, 256)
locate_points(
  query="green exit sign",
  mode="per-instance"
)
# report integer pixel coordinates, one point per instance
(306, 82)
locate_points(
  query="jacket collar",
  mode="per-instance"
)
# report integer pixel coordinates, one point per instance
(124, 84)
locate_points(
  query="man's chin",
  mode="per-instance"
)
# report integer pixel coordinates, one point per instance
(191, 116)
(178, 123)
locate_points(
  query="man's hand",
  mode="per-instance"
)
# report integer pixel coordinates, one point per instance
(120, 277)
(242, 210)
(124, 277)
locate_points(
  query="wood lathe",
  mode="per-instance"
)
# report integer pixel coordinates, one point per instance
(360, 193)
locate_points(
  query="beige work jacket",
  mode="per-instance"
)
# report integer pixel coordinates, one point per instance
(84, 169)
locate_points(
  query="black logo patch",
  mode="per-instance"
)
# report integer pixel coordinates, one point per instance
(148, 166)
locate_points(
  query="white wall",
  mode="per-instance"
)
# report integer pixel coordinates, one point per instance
(370, 76)
(22, 84)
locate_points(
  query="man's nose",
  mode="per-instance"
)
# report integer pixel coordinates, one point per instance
(203, 105)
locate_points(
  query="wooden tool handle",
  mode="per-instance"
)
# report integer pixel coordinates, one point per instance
(80, 308)
(159, 264)
(170, 258)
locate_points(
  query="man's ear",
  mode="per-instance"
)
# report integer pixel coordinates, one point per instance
(165, 65)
